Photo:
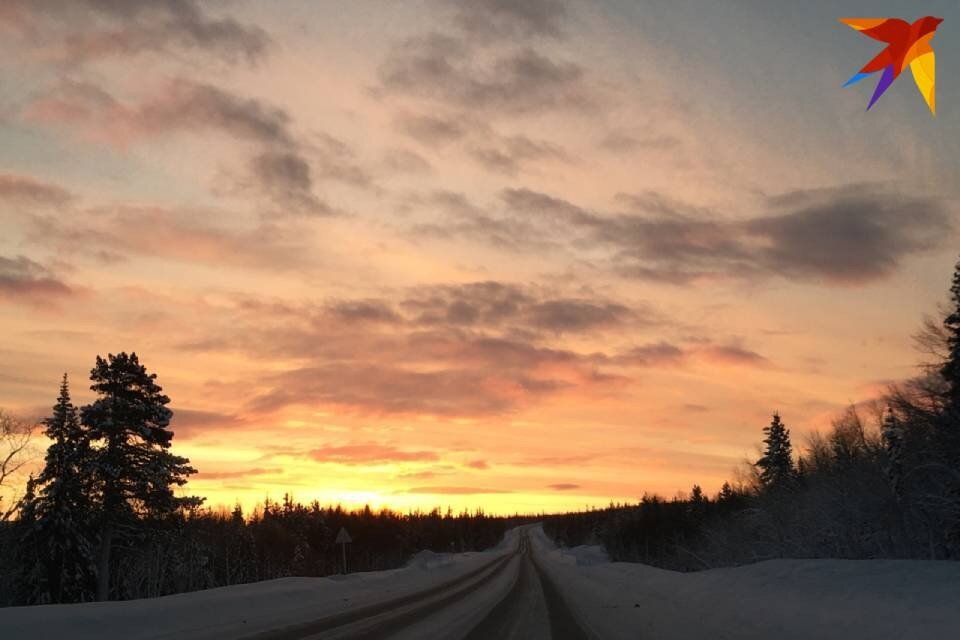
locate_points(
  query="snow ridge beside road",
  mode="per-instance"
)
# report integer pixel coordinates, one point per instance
(783, 599)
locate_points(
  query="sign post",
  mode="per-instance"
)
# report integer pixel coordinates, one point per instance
(343, 539)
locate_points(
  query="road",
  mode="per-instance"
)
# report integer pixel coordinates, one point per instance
(509, 597)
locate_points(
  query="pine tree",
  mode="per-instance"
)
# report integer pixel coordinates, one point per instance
(64, 527)
(776, 465)
(133, 465)
(29, 578)
(892, 436)
(949, 432)
(951, 368)
(726, 493)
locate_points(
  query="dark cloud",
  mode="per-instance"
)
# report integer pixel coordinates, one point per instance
(189, 423)
(847, 235)
(656, 354)
(369, 310)
(497, 304)
(286, 177)
(732, 354)
(26, 191)
(563, 486)
(454, 491)
(445, 69)
(369, 453)
(511, 154)
(432, 130)
(387, 389)
(510, 20)
(22, 279)
(280, 168)
(474, 349)
(577, 315)
(82, 30)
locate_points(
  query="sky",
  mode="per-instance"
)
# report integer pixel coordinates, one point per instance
(528, 255)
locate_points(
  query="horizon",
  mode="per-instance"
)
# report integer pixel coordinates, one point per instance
(525, 258)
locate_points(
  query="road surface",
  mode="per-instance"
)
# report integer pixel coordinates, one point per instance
(509, 597)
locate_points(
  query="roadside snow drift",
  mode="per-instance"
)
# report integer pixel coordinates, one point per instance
(240, 610)
(781, 599)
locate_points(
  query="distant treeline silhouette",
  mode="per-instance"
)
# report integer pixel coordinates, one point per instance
(884, 482)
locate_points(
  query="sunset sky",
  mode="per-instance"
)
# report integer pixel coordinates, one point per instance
(525, 255)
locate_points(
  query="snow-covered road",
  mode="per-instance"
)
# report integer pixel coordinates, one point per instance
(527, 588)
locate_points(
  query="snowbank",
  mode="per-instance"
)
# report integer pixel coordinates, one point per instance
(232, 612)
(783, 599)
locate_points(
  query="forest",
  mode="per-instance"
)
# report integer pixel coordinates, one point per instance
(105, 519)
(883, 482)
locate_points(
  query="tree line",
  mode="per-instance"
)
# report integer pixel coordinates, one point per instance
(883, 482)
(103, 518)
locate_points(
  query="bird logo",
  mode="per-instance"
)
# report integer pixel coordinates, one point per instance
(907, 44)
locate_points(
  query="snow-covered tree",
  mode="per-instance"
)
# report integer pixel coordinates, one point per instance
(64, 504)
(892, 435)
(133, 465)
(776, 465)
(951, 367)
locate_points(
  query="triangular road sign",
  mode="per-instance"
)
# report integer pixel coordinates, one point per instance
(343, 537)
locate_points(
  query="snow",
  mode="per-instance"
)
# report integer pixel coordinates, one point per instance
(230, 612)
(783, 599)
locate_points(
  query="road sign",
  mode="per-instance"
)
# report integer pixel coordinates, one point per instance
(343, 539)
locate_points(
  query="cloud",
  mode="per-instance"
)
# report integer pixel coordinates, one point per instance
(26, 191)
(510, 20)
(22, 279)
(369, 453)
(655, 354)
(496, 304)
(478, 464)
(286, 177)
(85, 30)
(846, 235)
(732, 354)
(454, 491)
(431, 130)
(241, 473)
(445, 69)
(567, 315)
(189, 423)
(280, 166)
(367, 310)
(451, 350)
(387, 389)
(116, 232)
(510, 155)
(405, 161)
(563, 486)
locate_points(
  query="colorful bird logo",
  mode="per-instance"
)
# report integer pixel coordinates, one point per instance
(906, 44)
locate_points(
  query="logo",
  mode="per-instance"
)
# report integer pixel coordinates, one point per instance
(907, 44)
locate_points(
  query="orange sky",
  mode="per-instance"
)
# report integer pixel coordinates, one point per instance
(521, 256)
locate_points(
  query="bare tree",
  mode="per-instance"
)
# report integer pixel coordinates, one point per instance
(15, 452)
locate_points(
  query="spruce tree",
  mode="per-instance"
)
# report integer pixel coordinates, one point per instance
(133, 466)
(949, 431)
(892, 436)
(63, 506)
(776, 465)
(951, 367)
